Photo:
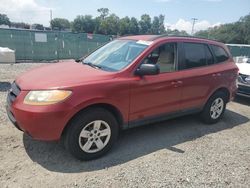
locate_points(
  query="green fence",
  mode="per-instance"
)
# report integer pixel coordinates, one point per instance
(239, 49)
(49, 45)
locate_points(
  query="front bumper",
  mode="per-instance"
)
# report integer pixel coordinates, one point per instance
(40, 122)
(243, 85)
(243, 89)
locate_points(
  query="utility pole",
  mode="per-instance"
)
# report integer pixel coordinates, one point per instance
(50, 18)
(194, 20)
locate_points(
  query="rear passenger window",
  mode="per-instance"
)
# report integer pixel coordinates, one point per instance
(195, 55)
(219, 53)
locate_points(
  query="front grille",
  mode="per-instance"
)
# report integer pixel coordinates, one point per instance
(13, 93)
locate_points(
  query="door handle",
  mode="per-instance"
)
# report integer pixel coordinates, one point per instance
(176, 83)
(216, 74)
(179, 82)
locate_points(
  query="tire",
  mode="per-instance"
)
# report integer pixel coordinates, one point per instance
(91, 134)
(214, 108)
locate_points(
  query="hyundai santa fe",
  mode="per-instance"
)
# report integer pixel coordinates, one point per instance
(128, 82)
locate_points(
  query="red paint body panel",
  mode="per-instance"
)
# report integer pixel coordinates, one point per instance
(60, 75)
(133, 96)
(152, 95)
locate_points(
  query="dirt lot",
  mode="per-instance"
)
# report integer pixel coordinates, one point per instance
(178, 153)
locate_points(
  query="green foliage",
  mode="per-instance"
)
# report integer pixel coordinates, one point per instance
(145, 24)
(177, 33)
(83, 24)
(238, 32)
(60, 24)
(124, 26)
(157, 26)
(20, 25)
(38, 26)
(4, 20)
(110, 25)
(133, 26)
(104, 12)
(106, 23)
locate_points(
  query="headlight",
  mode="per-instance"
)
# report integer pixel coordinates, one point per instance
(248, 79)
(46, 97)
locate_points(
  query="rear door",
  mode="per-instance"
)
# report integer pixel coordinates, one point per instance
(197, 75)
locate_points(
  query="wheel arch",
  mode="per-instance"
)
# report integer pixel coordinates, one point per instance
(111, 108)
(221, 89)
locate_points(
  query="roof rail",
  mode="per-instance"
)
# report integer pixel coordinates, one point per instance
(187, 36)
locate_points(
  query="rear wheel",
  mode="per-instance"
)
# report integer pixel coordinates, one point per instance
(214, 109)
(91, 134)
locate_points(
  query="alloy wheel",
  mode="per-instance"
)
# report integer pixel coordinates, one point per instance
(94, 136)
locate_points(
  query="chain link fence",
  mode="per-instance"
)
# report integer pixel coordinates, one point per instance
(239, 50)
(49, 45)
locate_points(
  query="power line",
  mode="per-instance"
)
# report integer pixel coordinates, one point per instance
(194, 20)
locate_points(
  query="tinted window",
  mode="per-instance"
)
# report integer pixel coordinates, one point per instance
(219, 53)
(195, 55)
(210, 58)
(164, 56)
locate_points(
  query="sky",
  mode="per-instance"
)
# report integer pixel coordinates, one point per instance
(178, 13)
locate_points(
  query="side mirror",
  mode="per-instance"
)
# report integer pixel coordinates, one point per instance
(78, 60)
(148, 69)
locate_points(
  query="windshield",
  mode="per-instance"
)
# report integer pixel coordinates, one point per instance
(115, 55)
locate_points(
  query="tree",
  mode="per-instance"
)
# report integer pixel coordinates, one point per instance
(246, 28)
(4, 20)
(177, 32)
(155, 26)
(104, 12)
(60, 24)
(162, 29)
(97, 22)
(110, 25)
(237, 32)
(84, 24)
(38, 26)
(133, 26)
(20, 25)
(145, 24)
(124, 26)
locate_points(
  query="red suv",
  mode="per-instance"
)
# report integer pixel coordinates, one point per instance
(128, 82)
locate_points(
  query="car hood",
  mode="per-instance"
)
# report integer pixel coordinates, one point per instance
(244, 68)
(60, 75)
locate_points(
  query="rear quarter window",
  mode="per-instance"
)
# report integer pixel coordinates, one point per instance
(220, 54)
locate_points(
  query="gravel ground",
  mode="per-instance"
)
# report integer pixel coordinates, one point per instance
(178, 153)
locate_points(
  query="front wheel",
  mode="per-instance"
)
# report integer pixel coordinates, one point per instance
(214, 109)
(91, 134)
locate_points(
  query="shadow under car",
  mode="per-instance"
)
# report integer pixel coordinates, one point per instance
(132, 143)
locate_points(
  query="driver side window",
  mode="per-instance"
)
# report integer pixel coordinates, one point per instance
(164, 56)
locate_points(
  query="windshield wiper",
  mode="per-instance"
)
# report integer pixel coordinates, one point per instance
(93, 65)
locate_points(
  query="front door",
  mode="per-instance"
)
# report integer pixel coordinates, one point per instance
(160, 94)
